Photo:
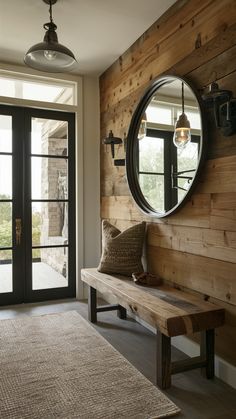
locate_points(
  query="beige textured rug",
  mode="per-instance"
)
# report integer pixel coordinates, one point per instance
(58, 366)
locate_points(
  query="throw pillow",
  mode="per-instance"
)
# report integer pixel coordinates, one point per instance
(122, 251)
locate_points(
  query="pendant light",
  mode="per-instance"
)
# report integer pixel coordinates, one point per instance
(182, 134)
(49, 55)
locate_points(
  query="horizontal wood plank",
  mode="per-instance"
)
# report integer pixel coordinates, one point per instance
(165, 54)
(196, 212)
(213, 70)
(206, 54)
(169, 23)
(208, 276)
(219, 176)
(216, 244)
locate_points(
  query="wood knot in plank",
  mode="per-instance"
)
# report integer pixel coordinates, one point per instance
(228, 296)
(198, 42)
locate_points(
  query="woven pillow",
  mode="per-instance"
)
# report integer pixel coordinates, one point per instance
(122, 252)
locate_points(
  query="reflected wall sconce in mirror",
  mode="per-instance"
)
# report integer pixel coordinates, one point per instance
(111, 140)
(182, 133)
(49, 55)
(143, 127)
(224, 107)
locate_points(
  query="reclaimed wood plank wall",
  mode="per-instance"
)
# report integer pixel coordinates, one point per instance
(196, 247)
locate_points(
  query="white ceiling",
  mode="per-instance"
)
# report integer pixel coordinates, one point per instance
(97, 31)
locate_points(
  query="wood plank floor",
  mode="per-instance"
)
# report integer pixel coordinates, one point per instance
(197, 397)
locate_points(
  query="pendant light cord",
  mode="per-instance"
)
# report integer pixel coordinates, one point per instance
(182, 97)
(50, 11)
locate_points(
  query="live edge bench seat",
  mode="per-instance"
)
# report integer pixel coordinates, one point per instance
(172, 312)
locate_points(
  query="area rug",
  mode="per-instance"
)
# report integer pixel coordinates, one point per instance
(58, 366)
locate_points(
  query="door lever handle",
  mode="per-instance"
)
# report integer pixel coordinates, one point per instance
(18, 231)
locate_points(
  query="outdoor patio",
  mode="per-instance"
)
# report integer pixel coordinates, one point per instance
(44, 277)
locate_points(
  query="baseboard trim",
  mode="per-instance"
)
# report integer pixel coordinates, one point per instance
(223, 369)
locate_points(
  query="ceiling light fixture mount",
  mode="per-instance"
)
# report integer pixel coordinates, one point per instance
(49, 55)
(50, 1)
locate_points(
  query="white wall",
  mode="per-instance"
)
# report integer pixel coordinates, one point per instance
(91, 175)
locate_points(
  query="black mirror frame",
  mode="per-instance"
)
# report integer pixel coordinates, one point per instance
(131, 165)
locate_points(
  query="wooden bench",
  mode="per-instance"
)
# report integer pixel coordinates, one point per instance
(172, 312)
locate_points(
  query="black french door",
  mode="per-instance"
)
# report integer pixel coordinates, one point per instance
(37, 205)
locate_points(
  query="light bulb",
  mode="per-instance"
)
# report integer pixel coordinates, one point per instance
(182, 136)
(50, 55)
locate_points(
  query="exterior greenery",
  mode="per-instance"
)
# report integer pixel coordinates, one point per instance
(151, 161)
(6, 228)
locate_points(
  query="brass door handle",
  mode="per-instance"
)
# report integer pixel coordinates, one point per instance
(18, 231)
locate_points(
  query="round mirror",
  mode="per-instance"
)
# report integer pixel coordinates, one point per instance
(165, 146)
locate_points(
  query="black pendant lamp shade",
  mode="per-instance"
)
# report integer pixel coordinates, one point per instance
(49, 55)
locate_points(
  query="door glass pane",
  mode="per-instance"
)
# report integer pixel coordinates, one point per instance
(5, 271)
(152, 187)
(49, 178)
(49, 223)
(151, 154)
(50, 268)
(187, 157)
(5, 133)
(49, 136)
(187, 161)
(5, 224)
(5, 177)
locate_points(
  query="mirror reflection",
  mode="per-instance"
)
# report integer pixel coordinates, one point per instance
(168, 145)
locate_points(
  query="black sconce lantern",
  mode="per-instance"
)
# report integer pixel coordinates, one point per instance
(224, 106)
(111, 140)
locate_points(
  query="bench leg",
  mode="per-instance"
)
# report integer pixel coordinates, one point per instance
(208, 352)
(163, 366)
(92, 304)
(121, 312)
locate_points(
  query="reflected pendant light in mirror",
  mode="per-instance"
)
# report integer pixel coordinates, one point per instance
(49, 55)
(182, 133)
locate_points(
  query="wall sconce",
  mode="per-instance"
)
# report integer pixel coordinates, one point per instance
(143, 127)
(224, 106)
(111, 140)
